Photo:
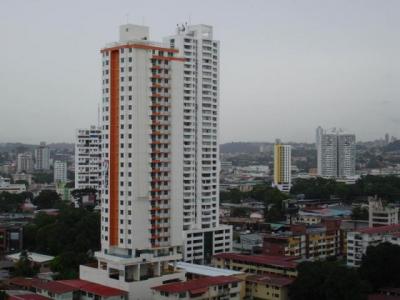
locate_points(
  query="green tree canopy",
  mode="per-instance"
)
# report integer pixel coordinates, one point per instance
(326, 280)
(380, 266)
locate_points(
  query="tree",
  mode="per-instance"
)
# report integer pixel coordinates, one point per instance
(326, 280)
(380, 266)
(359, 213)
(46, 199)
(24, 266)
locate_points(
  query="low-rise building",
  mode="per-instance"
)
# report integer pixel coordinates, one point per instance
(42, 261)
(7, 186)
(207, 288)
(257, 264)
(358, 241)
(312, 242)
(10, 238)
(380, 215)
(267, 287)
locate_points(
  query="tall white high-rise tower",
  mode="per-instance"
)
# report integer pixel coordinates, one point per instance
(142, 164)
(203, 235)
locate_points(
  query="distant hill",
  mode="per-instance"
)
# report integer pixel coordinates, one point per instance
(242, 147)
(20, 147)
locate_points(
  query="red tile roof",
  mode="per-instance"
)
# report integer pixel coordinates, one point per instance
(269, 260)
(94, 288)
(54, 287)
(23, 282)
(196, 286)
(270, 279)
(380, 229)
(28, 297)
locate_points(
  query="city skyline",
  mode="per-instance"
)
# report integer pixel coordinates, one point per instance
(308, 60)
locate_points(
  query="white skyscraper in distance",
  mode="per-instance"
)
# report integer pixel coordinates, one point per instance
(282, 166)
(60, 171)
(88, 158)
(42, 157)
(336, 153)
(203, 235)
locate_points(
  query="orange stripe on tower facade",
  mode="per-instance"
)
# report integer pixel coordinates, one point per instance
(114, 148)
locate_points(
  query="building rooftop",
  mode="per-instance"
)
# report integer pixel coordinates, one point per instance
(205, 270)
(270, 279)
(380, 229)
(23, 282)
(28, 297)
(276, 261)
(196, 286)
(54, 287)
(35, 257)
(94, 288)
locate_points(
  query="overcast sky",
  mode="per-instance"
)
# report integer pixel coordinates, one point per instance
(286, 66)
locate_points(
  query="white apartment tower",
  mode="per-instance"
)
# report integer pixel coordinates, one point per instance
(88, 158)
(336, 154)
(282, 166)
(142, 164)
(42, 157)
(60, 171)
(203, 235)
(24, 163)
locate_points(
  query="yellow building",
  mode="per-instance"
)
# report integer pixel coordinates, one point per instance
(282, 167)
(256, 264)
(267, 287)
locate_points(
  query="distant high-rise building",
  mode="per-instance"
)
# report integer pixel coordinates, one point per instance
(336, 154)
(24, 163)
(60, 171)
(42, 157)
(346, 155)
(88, 158)
(282, 166)
(387, 139)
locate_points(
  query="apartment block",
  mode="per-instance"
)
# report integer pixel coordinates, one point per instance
(88, 158)
(381, 215)
(24, 163)
(282, 167)
(60, 171)
(358, 241)
(203, 235)
(206, 288)
(42, 157)
(336, 153)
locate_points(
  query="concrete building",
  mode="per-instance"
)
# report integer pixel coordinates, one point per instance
(22, 176)
(203, 235)
(42, 157)
(88, 158)
(312, 242)
(268, 287)
(207, 288)
(60, 171)
(336, 153)
(24, 163)
(142, 165)
(6, 186)
(358, 241)
(282, 166)
(380, 215)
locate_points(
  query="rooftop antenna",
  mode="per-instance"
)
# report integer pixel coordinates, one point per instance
(142, 21)
(190, 19)
(127, 18)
